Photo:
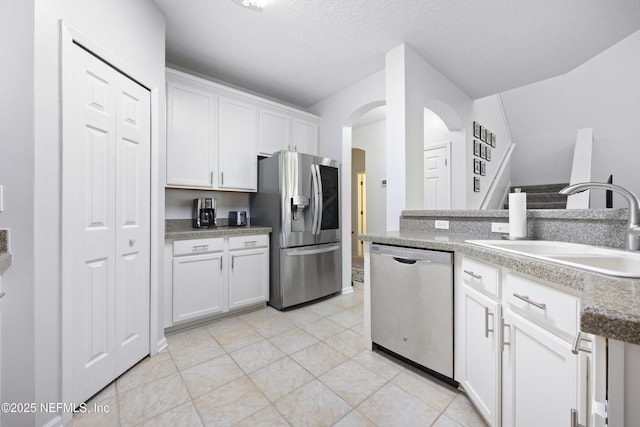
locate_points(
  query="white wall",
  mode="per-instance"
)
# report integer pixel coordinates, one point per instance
(133, 32)
(338, 113)
(435, 131)
(371, 139)
(488, 112)
(16, 175)
(604, 94)
(412, 85)
(179, 202)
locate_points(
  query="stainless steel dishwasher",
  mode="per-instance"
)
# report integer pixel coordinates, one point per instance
(412, 306)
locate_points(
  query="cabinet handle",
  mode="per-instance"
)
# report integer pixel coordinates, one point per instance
(251, 243)
(472, 274)
(199, 248)
(574, 419)
(576, 348)
(232, 261)
(486, 322)
(211, 177)
(504, 342)
(220, 263)
(2, 294)
(528, 300)
(221, 178)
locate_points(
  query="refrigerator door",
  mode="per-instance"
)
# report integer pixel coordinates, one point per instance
(328, 172)
(296, 198)
(306, 274)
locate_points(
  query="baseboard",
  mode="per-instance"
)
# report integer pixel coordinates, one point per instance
(54, 422)
(162, 344)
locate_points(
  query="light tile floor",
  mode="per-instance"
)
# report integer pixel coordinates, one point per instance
(303, 367)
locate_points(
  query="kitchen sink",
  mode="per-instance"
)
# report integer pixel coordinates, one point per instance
(615, 262)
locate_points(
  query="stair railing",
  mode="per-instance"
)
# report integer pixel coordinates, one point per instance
(499, 188)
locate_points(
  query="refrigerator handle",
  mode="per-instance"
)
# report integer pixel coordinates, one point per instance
(320, 203)
(316, 202)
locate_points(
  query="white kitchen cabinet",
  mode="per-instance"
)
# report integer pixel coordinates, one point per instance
(305, 136)
(275, 131)
(482, 339)
(248, 270)
(215, 133)
(213, 276)
(192, 136)
(238, 145)
(541, 376)
(519, 369)
(198, 279)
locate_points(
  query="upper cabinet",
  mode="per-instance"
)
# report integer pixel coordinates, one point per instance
(238, 160)
(215, 134)
(192, 136)
(305, 136)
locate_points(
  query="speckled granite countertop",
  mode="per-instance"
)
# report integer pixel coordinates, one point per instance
(182, 229)
(610, 305)
(5, 257)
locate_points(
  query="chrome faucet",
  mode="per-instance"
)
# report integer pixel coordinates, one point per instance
(632, 240)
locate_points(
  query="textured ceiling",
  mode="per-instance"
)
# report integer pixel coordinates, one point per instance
(301, 51)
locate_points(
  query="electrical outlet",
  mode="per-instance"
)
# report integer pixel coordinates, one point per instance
(442, 224)
(499, 227)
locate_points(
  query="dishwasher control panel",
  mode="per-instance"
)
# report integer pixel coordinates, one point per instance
(412, 254)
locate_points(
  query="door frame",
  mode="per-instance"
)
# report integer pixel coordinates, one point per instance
(157, 340)
(447, 146)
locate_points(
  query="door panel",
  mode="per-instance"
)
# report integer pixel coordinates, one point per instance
(330, 219)
(297, 199)
(106, 199)
(308, 273)
(133, 140)
(436, 178)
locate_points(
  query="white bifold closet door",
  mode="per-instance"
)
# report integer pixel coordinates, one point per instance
(106, 194)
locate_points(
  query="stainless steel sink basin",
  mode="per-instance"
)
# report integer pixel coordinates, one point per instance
(615, 262)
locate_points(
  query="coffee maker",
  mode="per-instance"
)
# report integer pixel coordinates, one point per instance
(204, 213)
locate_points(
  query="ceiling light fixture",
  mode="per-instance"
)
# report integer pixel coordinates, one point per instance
(256, 5)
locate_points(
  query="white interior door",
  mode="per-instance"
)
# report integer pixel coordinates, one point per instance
(437, 177)
(106, 207)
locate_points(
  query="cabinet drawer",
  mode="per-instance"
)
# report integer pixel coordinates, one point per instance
(247, 242)
(480, 276)
(197, 246)
(546, 306)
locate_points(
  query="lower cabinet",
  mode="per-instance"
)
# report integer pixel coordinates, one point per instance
(248, 271)
(524, 361)
(198, 286)
(482, 339)
(541, 377)
(217, 275)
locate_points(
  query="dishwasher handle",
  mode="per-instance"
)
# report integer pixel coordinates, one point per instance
(405, 260)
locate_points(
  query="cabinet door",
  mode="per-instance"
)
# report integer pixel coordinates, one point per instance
(275, 131)
(248, 277)
(305, 136)
(238, 141)
(198, 286)
(481, 335)
(540, 376)
(191, 136)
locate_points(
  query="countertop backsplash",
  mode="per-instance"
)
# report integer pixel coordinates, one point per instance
(601, 227)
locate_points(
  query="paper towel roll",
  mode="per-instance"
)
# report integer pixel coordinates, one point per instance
(517, 214)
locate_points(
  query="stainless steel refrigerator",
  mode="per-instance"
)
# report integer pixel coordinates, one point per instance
(298, 196)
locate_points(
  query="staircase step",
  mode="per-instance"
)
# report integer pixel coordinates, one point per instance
(541, 188)
(542, 196)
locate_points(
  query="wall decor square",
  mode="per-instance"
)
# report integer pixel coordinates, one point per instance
(483, 151)
(488, 154)
(476, 147)
(476, 184)
(483, 168)
(493, 140)
(476, 130)
(483, 134)
(476, 166)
